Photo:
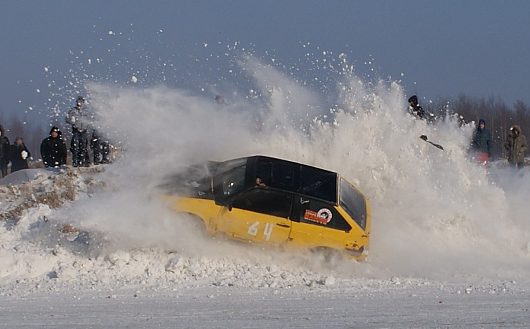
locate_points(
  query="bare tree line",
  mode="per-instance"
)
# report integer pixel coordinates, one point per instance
(499, 117)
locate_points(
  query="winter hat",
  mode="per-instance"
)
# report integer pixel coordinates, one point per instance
(54, 128)
(516, 129)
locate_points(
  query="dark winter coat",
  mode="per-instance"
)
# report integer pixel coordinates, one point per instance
(481, 141)
(17, 161)
(53, 151)
(417, 111)
(516, 145)
(4, 148)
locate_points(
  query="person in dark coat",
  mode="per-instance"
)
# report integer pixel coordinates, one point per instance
(19, 155)
(415, 109)
(418, 112)
(4, 151)
(516, 146)
(79, 119)
(53, 149)
(481, 143)
(100, 148)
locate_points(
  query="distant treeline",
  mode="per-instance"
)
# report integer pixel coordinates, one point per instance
(499, 117)
(31, 132)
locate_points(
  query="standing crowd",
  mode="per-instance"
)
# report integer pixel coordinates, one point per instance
(53, 148)
(17, 153)
(515, 145)
(81, 123)
(481, 142)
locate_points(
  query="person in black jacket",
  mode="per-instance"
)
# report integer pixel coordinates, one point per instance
(418, 112)
(4, 151)
(19, 155)
(100, 148)
(79, 119)
(415, 109)
(53, 149)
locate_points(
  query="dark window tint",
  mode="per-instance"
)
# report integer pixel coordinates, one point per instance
(265, 201)
(283, 175)
(278, 174)
(319, 213)
(353, 202)
(298, 178)
(231, 182)
(264, 171)
(318, 183)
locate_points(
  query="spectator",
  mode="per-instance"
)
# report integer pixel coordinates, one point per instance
(79, 119)
(417, 111)
(4, 151)
(481, 143)
(100, 148)
(19, 155)
(516, 146)
(53, 149)
(414, 107)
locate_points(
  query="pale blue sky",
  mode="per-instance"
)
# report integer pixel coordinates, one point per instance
(444, 48)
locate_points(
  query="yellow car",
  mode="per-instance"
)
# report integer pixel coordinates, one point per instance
(261, 199)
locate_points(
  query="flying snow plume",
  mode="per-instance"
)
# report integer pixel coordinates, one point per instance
(434, 213)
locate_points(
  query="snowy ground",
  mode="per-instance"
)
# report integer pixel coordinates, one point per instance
(408, 306)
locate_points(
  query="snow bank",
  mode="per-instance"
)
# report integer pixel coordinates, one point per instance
(26, 175)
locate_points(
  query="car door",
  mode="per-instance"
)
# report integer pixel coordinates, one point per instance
(318, 224)
(260, 215)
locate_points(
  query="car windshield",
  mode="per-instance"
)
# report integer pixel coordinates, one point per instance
(223, 167)
(353, 202)
(232, 181)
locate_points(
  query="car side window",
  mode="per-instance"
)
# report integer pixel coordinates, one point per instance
(277, 174)
(319, 184)
(283, 175)
(319, 213)
(265, 201)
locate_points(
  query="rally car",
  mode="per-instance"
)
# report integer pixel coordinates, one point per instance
(260, 199)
